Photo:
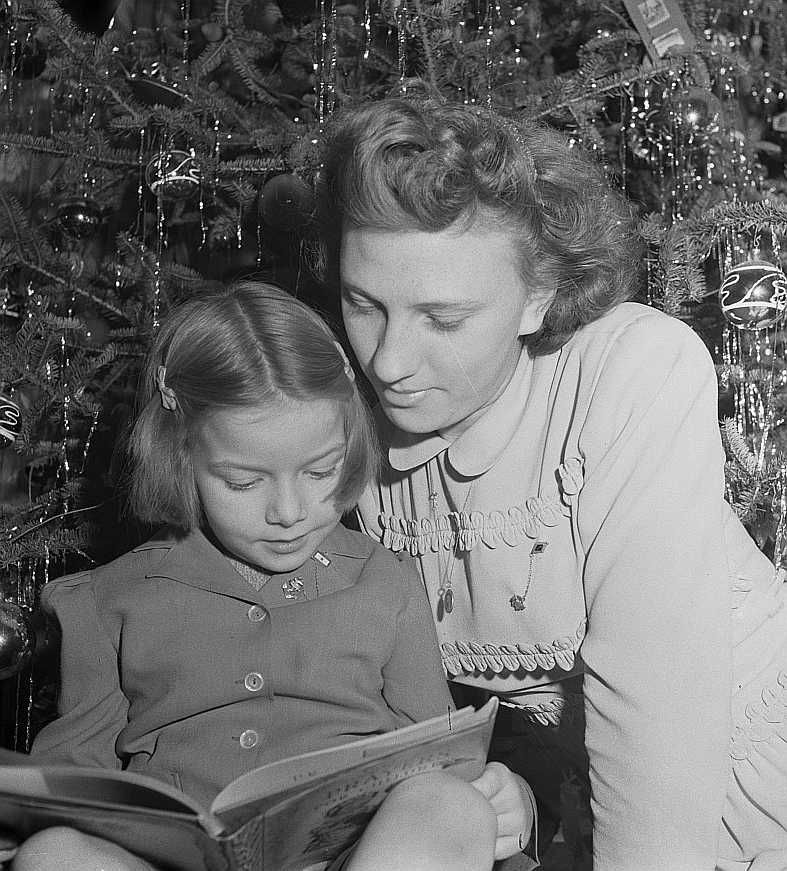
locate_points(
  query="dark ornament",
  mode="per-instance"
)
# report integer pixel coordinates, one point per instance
(17, 639)
(10, 421)
(285, 202)
(79, 217)
(173, 175)
(753, 295)
(212, 31)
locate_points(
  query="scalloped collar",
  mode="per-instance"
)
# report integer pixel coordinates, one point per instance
(479, 447)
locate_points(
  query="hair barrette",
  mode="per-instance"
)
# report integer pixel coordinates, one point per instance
(168, 398)
(348, 369)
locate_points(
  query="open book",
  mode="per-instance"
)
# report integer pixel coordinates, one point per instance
(284, 816)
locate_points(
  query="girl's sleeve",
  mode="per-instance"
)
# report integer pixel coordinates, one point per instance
(656, 580)
(91, 706)
(415, 686)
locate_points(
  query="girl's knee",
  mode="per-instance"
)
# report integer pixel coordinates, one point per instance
(453, 806)
(61, 848)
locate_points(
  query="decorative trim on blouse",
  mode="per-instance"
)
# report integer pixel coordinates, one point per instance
(557, 711)
(462, 530)
(471, 657)
(766, 721)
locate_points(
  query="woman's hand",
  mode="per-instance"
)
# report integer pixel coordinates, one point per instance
(514, 805)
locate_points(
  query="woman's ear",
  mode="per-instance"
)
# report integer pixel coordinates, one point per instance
(534, 311)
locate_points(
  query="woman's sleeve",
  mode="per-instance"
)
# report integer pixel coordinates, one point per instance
(656, 580)
(415, 684)
(91, 706)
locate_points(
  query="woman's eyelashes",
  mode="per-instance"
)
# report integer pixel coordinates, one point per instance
(442, 325)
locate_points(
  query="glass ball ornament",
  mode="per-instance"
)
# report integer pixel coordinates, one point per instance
(173, 174)
(10, 421)
(753, 295)
(79, 217)
(285, 202)
(17, 639)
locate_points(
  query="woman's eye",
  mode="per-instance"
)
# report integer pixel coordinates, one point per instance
(443, 326)
(358, 305)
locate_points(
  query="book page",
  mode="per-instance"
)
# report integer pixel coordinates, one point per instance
(319, 823)
(95, 786)
(287, 774)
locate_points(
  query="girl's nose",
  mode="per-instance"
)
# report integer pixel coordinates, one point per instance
(286, 506)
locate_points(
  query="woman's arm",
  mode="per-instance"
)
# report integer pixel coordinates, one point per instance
(656, 579)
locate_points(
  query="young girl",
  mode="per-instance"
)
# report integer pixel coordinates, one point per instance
(256, 626)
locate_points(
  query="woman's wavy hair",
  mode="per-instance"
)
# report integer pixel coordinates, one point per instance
(420, 163)
(243, 346)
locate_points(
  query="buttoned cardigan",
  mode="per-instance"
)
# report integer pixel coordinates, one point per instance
(581, 528)
(172, 665)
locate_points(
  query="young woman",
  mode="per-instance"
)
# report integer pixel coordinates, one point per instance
(554, 463)
(256, 626)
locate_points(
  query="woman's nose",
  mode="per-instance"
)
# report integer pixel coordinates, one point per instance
(395, 357)
(286, 506)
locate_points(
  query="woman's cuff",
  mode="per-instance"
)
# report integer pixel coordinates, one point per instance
(528, 841)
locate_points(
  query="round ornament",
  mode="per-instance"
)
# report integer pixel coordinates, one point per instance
(10, 420)
(79, 217)
(285, 202)
(17, 639)
(174, 175)
(753, 295)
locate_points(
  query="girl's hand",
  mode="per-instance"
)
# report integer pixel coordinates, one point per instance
(513, 802)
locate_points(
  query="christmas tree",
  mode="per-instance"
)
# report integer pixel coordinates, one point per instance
(150, 150)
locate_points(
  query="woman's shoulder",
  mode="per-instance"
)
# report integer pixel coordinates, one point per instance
(634, 332)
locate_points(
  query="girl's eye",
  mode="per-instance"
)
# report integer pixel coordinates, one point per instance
(322, 474)
(240, 485)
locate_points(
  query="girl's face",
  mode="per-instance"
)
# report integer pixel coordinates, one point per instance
(435, 320)
(265, 478)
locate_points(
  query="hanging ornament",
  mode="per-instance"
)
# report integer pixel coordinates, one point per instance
(10, 421)
(753, 295)
(17, 639)
(79, 217)
(174, 174)
(212, 31)
(285, 202)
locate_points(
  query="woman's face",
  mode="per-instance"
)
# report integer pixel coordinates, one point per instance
(435, 320)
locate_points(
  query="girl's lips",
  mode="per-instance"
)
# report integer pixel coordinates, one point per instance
(286, 545)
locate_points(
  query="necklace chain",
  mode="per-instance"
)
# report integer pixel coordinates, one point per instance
(445, 593)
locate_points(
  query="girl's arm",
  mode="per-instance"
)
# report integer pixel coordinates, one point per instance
(658, 646)
(91, 706)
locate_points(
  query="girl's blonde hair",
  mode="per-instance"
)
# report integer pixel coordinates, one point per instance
(243, 346)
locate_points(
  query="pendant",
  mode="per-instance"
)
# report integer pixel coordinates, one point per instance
(448, 600)
(292, 588)
(517, 603)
